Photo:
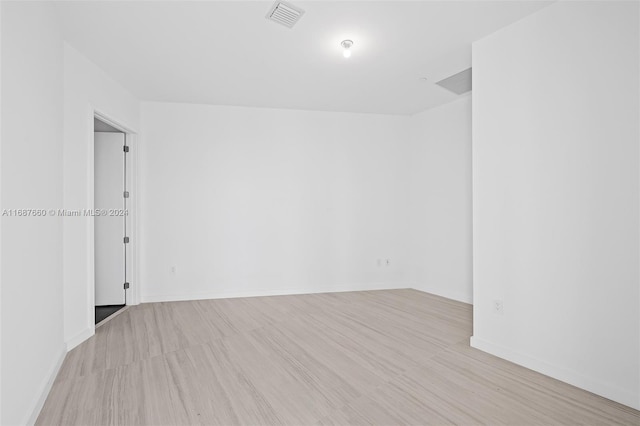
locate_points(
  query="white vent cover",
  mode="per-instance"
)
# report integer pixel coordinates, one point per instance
(285, 14)
(458, 83)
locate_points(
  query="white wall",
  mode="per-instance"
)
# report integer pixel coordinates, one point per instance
(86, 87)
(246, 201)
(31, 176)
(1, 206)
(555, 182)
(45, 167)
(439, 243)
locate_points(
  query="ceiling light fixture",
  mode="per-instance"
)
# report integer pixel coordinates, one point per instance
(346, 45)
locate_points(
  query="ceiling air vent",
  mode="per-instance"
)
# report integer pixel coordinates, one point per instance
(285, 14)
(458, 83)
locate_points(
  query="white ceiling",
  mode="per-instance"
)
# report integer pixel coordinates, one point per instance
(227, 53)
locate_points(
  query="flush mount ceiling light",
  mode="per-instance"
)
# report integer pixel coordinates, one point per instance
(346, 45)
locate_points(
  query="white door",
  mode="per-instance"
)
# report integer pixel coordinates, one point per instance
(109, 229)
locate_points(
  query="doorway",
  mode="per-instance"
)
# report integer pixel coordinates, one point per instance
(110, 215)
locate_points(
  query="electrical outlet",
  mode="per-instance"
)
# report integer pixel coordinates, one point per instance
(388, 262)
(173, 270)
(498, 307)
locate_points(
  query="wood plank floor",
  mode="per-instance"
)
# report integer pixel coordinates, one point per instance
(376, 357)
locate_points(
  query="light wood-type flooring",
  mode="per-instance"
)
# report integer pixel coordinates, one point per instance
(388, 357)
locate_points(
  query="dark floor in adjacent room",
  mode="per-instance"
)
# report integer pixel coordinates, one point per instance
(104, 312)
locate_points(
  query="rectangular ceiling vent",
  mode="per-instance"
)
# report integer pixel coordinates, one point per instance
(285, 14)
(458, 83)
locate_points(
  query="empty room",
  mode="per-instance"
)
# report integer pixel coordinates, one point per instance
(319, 212)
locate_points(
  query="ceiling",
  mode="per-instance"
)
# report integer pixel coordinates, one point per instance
(227, 53)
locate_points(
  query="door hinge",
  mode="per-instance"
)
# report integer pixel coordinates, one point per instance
(125, 148)
(126, 286)
(126, 240)
(126, 194)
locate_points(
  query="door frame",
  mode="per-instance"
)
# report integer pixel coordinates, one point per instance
(132, 183)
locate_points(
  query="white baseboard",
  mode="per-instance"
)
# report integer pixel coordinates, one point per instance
(150, 298)
(459, 296)
(80, 337)
(45, 387)
(573, 378)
